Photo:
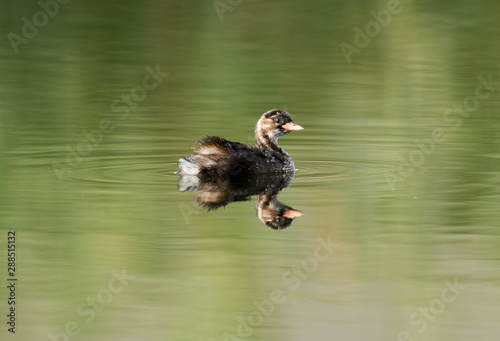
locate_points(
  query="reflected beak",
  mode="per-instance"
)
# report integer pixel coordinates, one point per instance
(292, 214)
(291, 126)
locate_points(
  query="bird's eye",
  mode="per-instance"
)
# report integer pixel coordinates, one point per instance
(278, 219)
(277, 121)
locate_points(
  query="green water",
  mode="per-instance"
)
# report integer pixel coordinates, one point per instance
(399, 167)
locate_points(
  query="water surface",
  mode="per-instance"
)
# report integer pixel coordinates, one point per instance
(403, 219)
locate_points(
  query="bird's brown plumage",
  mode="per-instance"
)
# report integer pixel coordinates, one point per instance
(218, 156)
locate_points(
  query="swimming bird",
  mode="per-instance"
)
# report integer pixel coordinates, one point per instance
(215, 156)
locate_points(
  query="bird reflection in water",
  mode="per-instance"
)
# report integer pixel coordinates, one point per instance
(213, 192)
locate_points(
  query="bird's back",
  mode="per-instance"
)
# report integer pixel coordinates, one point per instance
(218, 156)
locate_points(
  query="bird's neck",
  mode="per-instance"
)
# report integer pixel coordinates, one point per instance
(266, 206)
(265, 141)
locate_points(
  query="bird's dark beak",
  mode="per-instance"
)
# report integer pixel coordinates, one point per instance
(292, 214)
(290, 126)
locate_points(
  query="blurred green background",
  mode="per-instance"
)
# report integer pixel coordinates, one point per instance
(402, 230)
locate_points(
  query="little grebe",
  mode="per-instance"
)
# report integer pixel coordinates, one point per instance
(217, 156)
